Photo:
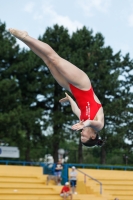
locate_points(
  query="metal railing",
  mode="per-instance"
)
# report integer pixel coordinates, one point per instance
(86, 175)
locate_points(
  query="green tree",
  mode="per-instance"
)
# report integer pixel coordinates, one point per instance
(107, 73)
(30, 98)
(19, 118)
(104, 68)
(58, 117)
(9, 89)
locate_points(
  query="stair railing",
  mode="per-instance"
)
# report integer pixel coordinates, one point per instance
(86, 175)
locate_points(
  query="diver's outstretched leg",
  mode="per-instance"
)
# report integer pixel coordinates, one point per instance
(62, 70)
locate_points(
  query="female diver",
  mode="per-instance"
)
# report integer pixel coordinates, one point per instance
(87, 107)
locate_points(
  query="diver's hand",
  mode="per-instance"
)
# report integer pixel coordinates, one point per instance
(65, 99)
(78, 126)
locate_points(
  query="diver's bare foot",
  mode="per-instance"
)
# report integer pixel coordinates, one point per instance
(18, 34)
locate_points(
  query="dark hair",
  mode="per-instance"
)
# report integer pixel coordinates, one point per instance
(94, 142)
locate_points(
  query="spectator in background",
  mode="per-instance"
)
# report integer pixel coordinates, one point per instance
(116, 199)
(73, 180)
(65, 192)
(58, 171)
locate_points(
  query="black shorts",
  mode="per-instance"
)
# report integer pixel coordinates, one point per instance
(73, 183)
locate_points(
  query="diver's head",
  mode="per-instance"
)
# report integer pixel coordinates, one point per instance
(89, 137)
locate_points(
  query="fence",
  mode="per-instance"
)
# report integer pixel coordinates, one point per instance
(49, 168)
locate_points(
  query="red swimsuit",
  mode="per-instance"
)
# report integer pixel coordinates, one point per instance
(86, 102)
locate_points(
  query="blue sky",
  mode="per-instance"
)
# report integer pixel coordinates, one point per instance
(112, 18)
